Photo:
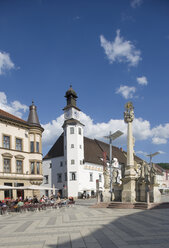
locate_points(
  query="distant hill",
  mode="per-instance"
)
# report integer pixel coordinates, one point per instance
(164, 165)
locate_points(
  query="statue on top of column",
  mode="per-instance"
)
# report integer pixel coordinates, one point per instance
(129, 113)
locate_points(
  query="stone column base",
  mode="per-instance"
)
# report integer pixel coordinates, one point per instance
(107, 195)
(129, 190)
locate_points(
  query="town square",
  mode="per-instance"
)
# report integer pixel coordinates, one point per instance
(84, 128)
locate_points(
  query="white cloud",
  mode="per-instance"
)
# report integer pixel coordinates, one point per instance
(159, 141)
(52, 130)
(141, 130)
(15, 107)
(141, 153)
(142, 80)
(5, 62)
(160, 134)
(126, 91)
(136, 3)
(120, 50)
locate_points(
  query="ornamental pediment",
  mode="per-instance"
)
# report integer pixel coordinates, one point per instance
(7, 155)
(19, 157)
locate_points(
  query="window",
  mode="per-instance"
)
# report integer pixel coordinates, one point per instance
(72, 161)
(18, 144)
(32, 146)
(7, 165)
(37, 167)
(37, 146)
(81, 161)
(59, 177)
(65, 176)
(80, 146)
(72, 146)
(32, 167)
(8, 193)
(71, 130)
(6, 141)
(61, 163)
(19, 166)
(80, 131)
(46, 179)
(72, 176)
(91, 177)
(50, 166)
(100, 178)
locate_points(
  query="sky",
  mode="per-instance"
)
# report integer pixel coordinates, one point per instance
(110, 51)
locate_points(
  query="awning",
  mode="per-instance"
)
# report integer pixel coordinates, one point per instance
(32, 187)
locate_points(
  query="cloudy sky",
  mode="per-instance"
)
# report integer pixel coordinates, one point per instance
(111, 51)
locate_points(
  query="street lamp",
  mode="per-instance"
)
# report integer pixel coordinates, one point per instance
(112, 137)
(152, 155)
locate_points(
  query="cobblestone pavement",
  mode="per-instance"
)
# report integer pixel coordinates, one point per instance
(84, 227)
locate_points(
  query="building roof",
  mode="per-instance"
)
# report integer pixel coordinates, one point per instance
(33, 120)
(57, 149)
(8, 116)
(93, 151)
(33, 117)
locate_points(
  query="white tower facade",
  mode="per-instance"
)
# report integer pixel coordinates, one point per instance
(73, 144)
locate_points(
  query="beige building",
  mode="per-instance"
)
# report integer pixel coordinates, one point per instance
(20, 153)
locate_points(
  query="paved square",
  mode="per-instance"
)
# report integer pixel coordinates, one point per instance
(84, 227)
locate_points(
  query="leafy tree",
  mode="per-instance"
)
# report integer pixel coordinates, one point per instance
(164, 165)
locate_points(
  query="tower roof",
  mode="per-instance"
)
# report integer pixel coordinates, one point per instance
(71, 97)
(33, 116)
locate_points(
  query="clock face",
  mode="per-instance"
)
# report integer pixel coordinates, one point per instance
(67, 114)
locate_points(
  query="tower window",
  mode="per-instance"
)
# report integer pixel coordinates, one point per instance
(72, 146)
(37, 146)
(32, 146)
(32, 167)
(72, 176)
(38, 168)
(80, 146)
(72, 161)
(61, 163)
(91, 177)
(80, 131)
(46, 179)
(71, 130)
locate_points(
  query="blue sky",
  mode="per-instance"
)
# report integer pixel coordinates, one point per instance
(110, 51)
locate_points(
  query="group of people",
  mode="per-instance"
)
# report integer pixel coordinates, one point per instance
(19, 202)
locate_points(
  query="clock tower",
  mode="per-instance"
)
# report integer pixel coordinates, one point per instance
(71, 111)
(73, 143)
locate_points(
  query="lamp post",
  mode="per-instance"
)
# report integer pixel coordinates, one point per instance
(152, 155)
(112, 137)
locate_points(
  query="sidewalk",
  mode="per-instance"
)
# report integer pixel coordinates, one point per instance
(84, 227)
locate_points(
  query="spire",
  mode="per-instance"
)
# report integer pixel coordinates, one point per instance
(33, 117)
(71, 97)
